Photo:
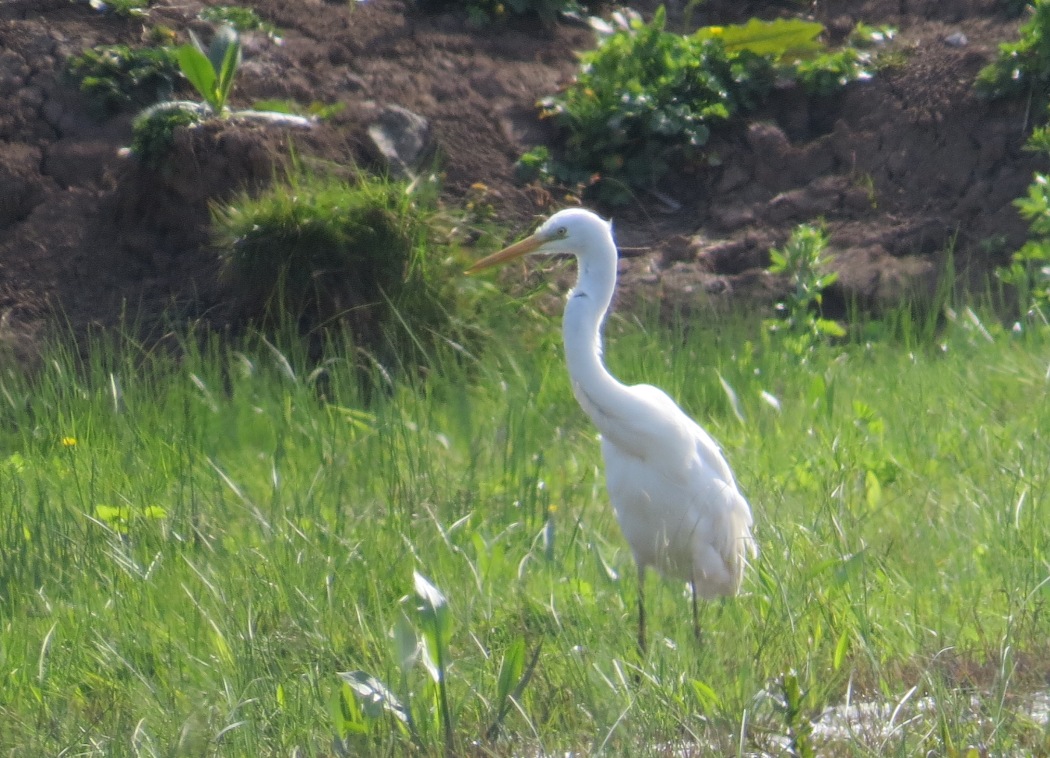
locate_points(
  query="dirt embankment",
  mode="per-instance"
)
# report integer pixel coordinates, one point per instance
(901, 168)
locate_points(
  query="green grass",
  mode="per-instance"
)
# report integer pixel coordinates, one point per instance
(194, 547)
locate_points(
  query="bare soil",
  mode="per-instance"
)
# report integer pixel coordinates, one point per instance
(903, 168)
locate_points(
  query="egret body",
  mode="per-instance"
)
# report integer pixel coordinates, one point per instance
(674, 495)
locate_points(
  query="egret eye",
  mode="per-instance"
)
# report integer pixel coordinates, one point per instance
(562, 231)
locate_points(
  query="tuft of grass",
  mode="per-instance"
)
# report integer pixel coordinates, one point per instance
(323, 253)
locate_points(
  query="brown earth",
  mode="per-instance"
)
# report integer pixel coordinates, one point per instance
(903, 167)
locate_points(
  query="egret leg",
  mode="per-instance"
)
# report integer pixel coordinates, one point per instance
(641, 609)
(696, 613)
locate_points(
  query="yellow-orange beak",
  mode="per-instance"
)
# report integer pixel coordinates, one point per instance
(518, 249)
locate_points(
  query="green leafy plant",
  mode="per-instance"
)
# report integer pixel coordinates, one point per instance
(240, 18)
(647, 98)
(792, 707)
(117, 77)
(1029, 269)
(803, 262)
(153, 129)
(423, 635)
(828, 73)
(212, 72)
(1022, 66)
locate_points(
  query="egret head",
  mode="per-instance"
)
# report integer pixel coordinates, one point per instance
(575, 231)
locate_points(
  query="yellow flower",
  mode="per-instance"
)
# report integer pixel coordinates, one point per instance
(69, 442)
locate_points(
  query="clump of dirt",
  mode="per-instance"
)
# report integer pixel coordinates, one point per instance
(901, 168)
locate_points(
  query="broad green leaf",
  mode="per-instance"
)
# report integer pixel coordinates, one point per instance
(830, 328)
(841, 648)
(154, 512)
(433, 613)
(705, 696)
(219, 49)
(373, 695)
(228, 44)
(510, 670)
(776, 38)
(433, 608)
(277, 106)
(196, 67)
(406, 644)
(345, 713)
(872, 489)
(112, 514)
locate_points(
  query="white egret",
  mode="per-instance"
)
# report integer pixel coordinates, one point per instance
(673, 493)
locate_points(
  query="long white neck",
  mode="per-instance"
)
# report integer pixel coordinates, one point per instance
(599, 393)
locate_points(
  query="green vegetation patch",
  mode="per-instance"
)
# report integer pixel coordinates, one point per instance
(1029, 269)
(647, 98)
(1022, 66)
(118, 77)
(324, 252)
(240, 18)
(196, 546)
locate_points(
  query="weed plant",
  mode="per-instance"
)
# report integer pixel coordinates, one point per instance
(803, 261)
(242, 19)
(118, 77)
(1022, 66)
(197, 546)
(212, 71)
(153, 130)
(647, 98)
(1029, 269)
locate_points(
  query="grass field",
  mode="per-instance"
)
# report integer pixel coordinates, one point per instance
(193, 550)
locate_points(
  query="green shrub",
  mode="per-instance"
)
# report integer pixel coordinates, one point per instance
(152, 130)
(827, 73)
(321, 252)
(1029, 269)
(1022, 66)
(240, 18)
(117, 77)
(647, 98)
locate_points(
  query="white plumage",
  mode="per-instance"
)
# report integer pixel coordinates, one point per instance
(673, 492)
